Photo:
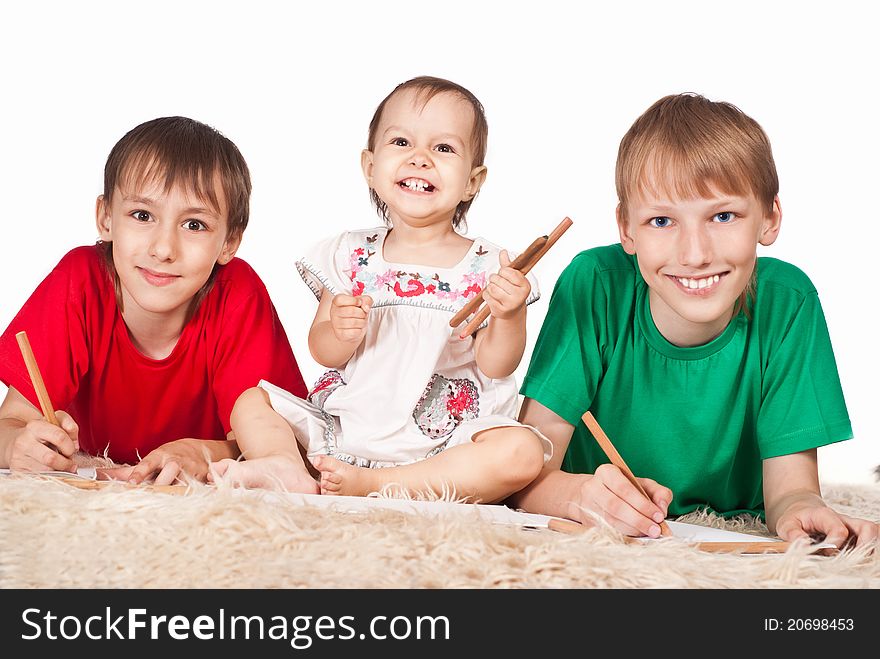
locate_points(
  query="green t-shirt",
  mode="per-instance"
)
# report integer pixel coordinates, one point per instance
(698, 420)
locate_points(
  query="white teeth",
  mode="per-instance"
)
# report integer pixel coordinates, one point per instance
(415, 184)
(698, 283)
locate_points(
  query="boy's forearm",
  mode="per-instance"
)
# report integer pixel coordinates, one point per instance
(326, 349)
(554, 493)
(499, 352)
(790, 481)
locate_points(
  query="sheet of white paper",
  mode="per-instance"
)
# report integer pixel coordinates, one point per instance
(89, 473)
(493, 513)
(697, 533)
(498, 514)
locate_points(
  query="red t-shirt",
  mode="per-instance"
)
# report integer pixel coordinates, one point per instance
(125, 401)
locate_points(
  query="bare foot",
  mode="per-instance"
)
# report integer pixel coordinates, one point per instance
(275, 472)
(338, 477)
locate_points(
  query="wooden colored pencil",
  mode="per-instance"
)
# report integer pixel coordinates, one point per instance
(36, 378)
(617, 460)
(521, 260)
(483, 313)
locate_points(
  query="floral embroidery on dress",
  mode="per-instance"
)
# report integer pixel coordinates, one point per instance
(445, 404)
(404, 284)
(326, 385)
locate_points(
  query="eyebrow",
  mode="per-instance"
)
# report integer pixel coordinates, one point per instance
(442, 136)
(720, 203)
(147, 201)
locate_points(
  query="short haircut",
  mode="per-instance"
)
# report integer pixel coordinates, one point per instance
(684, 145)
(185, 152)
(427, 87)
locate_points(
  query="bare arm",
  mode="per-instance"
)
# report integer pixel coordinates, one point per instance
(30, 443)
(499, 347)
(795, 508)
(339, 327)
(607, 493)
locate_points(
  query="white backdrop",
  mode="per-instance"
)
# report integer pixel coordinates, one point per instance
(295, 88)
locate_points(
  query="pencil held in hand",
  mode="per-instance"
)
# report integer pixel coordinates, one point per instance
(36, 378)
(617, 460)
(524, 263)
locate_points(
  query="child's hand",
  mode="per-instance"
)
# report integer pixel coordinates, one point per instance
(41, 446)
(166, 464)
(808, 521)
(507, 291)
(609, 494)
(348, 317)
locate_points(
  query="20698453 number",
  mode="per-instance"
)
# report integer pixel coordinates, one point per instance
(819, 624)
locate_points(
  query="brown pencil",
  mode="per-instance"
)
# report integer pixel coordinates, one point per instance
(36, 379)
(520, 261)
(617, 460)
(483, 314)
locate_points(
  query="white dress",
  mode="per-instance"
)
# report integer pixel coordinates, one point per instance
(412, 388)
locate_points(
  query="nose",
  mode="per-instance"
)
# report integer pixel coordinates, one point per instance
(163, 241)
(420, 158)
(694, 246)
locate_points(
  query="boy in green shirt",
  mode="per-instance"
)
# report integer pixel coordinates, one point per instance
(710, 369)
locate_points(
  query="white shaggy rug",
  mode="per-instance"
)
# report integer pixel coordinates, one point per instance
(54, 535)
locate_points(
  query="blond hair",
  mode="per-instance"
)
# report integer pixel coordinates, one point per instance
(686, 146)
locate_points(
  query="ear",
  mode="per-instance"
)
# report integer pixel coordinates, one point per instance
(102, 219)
(623, 228)
(367, 166)
(771, 224)
(475, 182)
(230, 247)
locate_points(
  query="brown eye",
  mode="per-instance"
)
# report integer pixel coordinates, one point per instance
(195, 225)
(141, 216)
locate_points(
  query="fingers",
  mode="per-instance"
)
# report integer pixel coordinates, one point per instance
(624, 506)
(865, 532)
(362, 302)
(660, 495)
(145, 469)
(47, 433)
(807, 523)
(115, 473)
(168, 474)
(69, 426)
(37, 456)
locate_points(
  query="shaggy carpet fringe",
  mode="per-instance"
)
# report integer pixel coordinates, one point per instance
(54, 535)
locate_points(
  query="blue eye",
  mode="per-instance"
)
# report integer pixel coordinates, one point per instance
(400, 141)
(724, 217)
(660, 222)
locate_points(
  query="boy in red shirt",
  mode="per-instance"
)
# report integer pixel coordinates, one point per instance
(146, 339)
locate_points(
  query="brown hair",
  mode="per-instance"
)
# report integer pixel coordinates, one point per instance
(186, 152)
(684, 145)
(427, 87)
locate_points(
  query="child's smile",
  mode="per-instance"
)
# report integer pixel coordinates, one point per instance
(698, 284)
(157, 278)
(421, 164)
(165, 247)
(418, 185)
(697, 257)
